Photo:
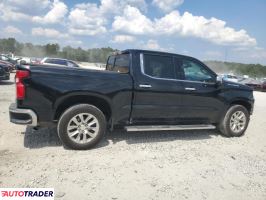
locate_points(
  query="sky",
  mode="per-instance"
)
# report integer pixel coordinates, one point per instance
(222, 30)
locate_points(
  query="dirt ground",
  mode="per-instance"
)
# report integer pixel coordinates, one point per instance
(152, 165)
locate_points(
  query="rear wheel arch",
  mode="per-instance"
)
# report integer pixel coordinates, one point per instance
(81, 126)
(72, 100)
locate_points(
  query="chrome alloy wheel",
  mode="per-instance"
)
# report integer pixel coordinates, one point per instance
(82, 128)
(238, 121)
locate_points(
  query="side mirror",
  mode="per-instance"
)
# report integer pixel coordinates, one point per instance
(219, 80)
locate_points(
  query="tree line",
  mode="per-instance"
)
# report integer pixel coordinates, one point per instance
(11, 45)
(100, 55)
(252, 70)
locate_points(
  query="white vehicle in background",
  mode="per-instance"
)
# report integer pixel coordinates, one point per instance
(94, 66)
(58, 62)
(24, 60)
(231, 78)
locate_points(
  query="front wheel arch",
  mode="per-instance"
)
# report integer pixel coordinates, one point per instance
(243, 103)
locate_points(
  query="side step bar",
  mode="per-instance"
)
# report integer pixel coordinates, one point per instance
(169, 127)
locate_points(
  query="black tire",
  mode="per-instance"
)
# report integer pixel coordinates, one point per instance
(71, 113)
(224, 126)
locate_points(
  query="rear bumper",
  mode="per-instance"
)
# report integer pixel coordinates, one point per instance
(22, 116)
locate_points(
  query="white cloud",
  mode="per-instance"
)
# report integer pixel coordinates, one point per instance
(240, 49)
(123, 39)
(92, 19)
(245, 54)
(213, 54)
(8, 13)
(245, 49)
(213, 30)
(29, 10)
(185, 51)
(167, 5)
(72, 43)
(86, 19)
(47, 32)
(12, 30)
(153, 45)
(117, 6)
(251, 52)
(18, 10)
(133, 21)
(55, 15)
(258, 54)
(29, 7)
(124, 19)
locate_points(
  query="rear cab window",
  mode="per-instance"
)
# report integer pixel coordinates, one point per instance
(110, 63)
(118, 63)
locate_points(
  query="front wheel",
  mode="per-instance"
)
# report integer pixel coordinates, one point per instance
(235, 121)
(81, 126)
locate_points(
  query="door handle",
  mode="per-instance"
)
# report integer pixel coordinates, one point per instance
(190, 89)
(145, 86)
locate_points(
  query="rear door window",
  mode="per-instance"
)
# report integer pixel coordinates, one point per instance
(159, 66)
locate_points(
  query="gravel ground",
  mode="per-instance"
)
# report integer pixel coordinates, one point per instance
(152, 165)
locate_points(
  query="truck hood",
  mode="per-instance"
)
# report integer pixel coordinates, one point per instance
(233, 85)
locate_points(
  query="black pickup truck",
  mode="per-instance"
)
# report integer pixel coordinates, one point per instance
(139, 90)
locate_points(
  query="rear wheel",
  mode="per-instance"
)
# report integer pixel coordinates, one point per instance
(235, 121)
(81, 126)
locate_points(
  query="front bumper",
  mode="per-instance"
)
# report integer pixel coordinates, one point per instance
(22, 116)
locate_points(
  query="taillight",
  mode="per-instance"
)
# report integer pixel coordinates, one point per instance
(20, 87)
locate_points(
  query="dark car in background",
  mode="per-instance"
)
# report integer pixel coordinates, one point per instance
(10, 66)
(4, 72)
(257, 85)
(8, 59)
(254, 84)
(58, 62)
(263, 86)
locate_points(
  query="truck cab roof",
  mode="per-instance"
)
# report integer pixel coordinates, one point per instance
(154, 52)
